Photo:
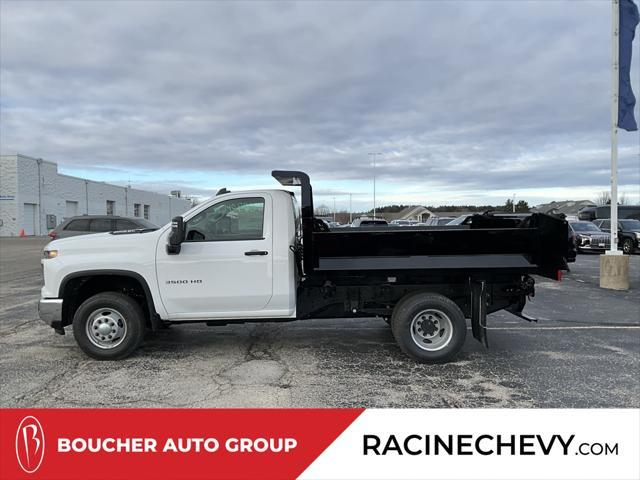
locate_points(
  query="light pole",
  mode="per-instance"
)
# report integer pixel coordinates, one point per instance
(373, 154)
(513, 203)
(350, 211)
(334, 209)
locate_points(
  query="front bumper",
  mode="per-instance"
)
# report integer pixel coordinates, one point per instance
(594, 243)
(50, 312)
(595, 247)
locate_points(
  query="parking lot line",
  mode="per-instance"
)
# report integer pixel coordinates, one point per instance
(590, 327)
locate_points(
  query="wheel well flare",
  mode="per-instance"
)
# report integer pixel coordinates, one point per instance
(74, 291)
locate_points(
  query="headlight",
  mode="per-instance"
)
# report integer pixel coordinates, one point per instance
(637, 235)
(50, 253)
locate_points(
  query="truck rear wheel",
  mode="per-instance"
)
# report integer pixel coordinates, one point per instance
(429, 327)
(109, 326)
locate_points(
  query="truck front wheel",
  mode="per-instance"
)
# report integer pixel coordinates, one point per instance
(109, 326)
(429, 327)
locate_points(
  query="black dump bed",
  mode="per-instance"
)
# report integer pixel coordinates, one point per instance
(537, 244)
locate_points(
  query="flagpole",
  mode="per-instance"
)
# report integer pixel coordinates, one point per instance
(615, 80)
(614, 266)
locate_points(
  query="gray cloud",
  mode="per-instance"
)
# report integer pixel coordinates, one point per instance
(476, 94)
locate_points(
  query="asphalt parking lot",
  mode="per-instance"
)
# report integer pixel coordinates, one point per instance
(583, 352)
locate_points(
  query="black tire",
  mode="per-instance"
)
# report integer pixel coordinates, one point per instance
(451, 334)
(627, 246)
(124, 311)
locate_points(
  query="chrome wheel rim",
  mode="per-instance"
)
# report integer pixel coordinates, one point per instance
(106, 328)
(431, 330)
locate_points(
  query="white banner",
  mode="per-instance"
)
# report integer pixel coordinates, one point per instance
(485, 444)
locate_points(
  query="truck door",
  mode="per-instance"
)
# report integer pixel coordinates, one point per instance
(224, 268)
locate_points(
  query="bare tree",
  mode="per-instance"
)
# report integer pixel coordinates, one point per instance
(603, 198)
(322, 211)
(623, 200)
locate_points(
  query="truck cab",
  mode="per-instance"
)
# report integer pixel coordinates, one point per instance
(234, 262)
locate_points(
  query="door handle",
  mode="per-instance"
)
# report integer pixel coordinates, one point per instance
(255, 252)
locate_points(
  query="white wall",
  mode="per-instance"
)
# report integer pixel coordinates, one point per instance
(8, 195)
(20, 185)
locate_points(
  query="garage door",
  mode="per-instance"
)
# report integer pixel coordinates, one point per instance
(71, 209)
(29, 218)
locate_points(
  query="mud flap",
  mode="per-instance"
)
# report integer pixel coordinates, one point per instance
(479, 311)
(156, 322)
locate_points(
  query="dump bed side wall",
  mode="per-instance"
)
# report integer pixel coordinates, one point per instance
(541, 245)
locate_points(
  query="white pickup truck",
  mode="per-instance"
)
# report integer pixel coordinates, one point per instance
(255, 256)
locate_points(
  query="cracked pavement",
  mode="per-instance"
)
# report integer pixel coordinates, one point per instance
(583, 352)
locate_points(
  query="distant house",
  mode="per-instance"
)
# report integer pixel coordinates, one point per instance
(417, 213)
(569, 207)
(451, 213)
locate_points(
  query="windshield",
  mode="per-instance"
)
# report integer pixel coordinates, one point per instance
(630, 224)
(585, 227)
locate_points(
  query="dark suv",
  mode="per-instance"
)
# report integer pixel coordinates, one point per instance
(86, 224)
(628, 232)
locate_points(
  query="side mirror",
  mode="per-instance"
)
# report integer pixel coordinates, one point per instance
(176, 237)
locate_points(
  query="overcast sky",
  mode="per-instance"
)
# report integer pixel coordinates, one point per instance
(468, 101)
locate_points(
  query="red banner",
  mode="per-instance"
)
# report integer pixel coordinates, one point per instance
(104, 443)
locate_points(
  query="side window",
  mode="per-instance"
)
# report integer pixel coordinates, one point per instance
(100, 225)
(237, 219)
(606, 225)
(78, 225)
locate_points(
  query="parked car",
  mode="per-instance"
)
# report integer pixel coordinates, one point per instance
(587, 214)
(628, 232)
(369, 222)
(603, 212)
(462, 219)
(403, 223)
(589, 237)
(466, 218)
(86, 224)
(439, 221)
(329, 223)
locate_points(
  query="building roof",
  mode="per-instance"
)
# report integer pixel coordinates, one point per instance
(452, 213)
(406, 213)
(568, 207)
